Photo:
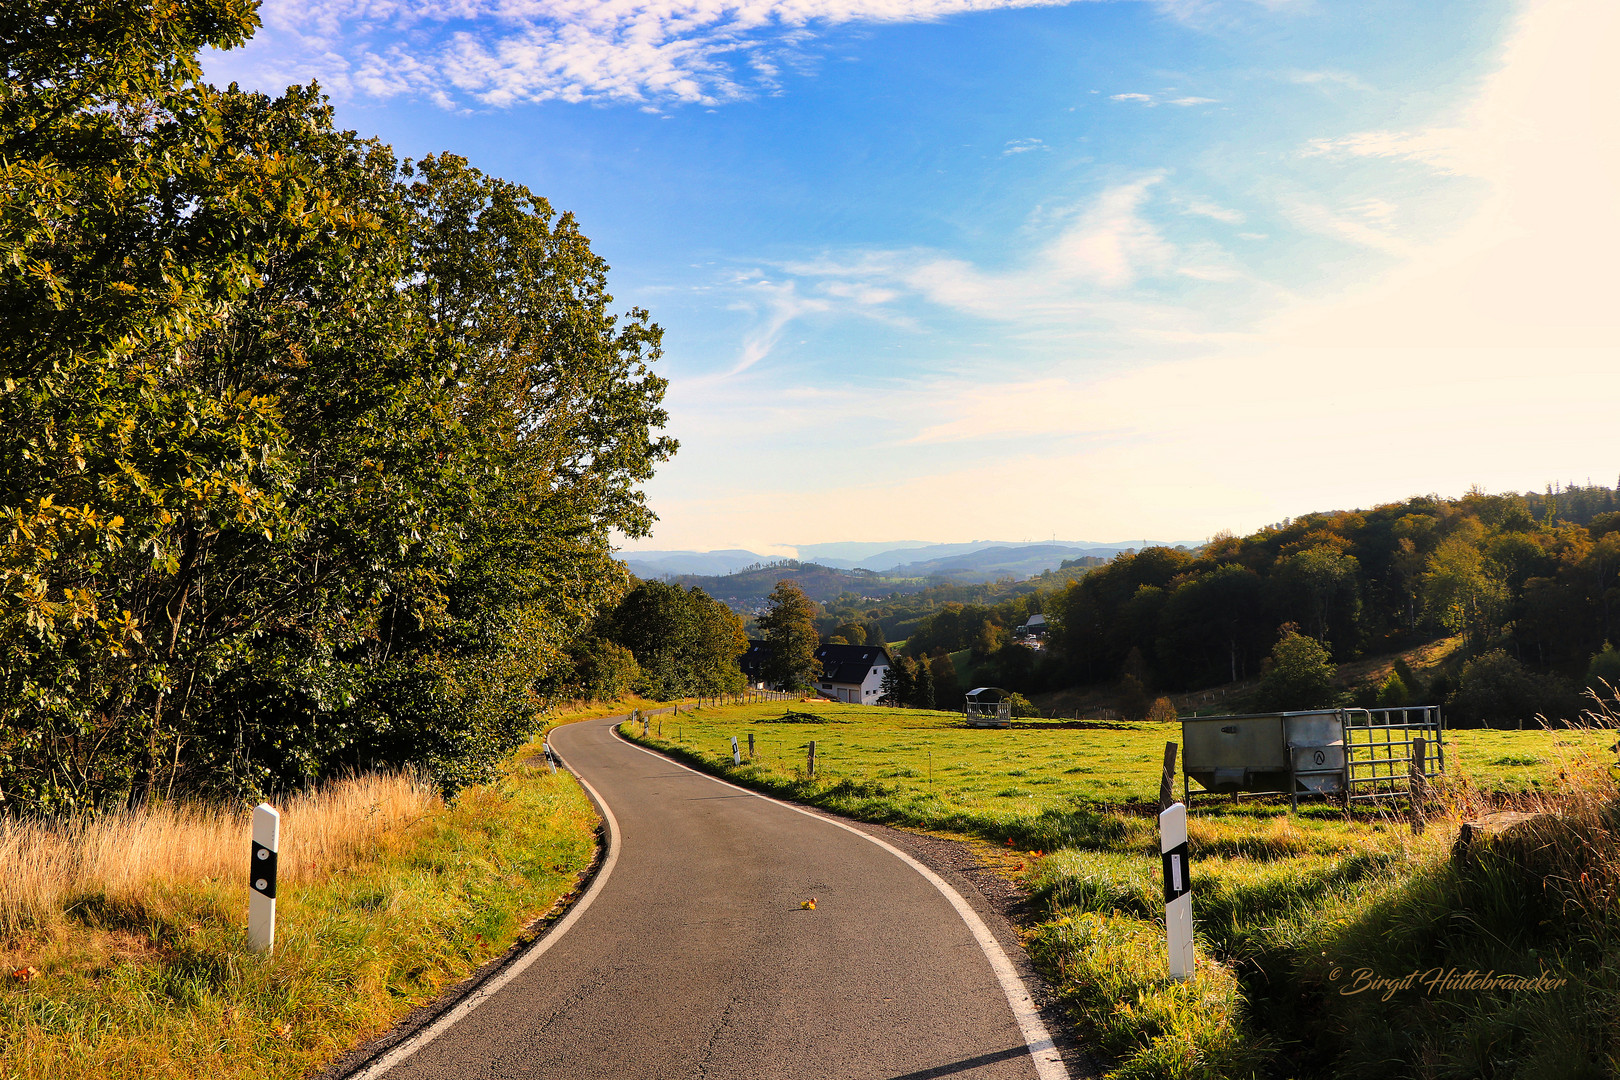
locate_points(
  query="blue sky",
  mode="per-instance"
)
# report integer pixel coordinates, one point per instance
(962, 269)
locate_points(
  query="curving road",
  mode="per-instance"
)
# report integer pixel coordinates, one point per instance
(690, 956)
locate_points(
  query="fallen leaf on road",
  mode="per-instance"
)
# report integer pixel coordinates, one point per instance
(25, 974)
(808, 905)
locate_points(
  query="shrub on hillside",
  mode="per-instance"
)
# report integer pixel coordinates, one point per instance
(1495, 690)
(1301, 675)
(1022, 706)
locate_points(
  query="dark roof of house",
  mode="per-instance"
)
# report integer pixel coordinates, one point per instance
(850, 663)
(753, 661)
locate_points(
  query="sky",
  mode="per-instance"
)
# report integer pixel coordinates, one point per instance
(953, 270)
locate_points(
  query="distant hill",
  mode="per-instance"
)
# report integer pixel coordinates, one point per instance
(994, 563)
(746, 590)
(902, 559)
(661, 564)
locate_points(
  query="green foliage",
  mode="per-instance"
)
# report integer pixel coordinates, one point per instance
(1022, 707)
(605, 670)
(683, 641)
(853, 633)
(308, 460)
(1496, 690)
(789, 626)
(1301, 675)
(1393, 693)
(924, 694)
(1603, 671)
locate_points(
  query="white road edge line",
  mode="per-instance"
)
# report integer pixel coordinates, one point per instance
(467, 1004)
(1042, 1050)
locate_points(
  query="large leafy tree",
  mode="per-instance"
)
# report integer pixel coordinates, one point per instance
(789, 626)
(307, 460)
(684, 641)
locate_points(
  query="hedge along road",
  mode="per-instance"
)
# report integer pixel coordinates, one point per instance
(691, 955)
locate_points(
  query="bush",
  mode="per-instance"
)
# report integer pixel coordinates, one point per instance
(1604, 668)
(1394, 693)
(1495, 690)
(1022, 706)
(1301, 675)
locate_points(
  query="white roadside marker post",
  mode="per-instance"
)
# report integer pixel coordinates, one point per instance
(262, 878)
(1177, 890)
(736, 754)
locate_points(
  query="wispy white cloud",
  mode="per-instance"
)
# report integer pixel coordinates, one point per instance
(1101, 267)
(1154, 100)
(1022, 146)
(1326, 78)
(775, 304)
(504, 52)
(1211, 210)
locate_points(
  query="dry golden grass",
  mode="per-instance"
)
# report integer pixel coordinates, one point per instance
(124, 856)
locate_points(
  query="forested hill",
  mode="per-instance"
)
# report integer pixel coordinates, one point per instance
(746, 589)
(1530, 583)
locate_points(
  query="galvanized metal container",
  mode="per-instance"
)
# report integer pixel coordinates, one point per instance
(1334, 752)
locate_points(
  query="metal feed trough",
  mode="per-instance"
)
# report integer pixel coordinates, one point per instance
(1349, 753)
(988, 706)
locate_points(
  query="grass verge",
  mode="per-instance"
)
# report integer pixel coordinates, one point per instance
(148, 974)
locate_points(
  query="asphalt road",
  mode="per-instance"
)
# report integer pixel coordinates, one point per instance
(691, 956)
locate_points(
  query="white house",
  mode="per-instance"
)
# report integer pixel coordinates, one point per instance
(852, 673)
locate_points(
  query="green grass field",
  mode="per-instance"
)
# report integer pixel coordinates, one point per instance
(918, 756)
(1282, 900)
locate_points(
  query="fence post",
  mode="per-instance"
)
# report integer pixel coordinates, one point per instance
(262, 878)
(1167, 785)
(1418, 783)
(811, 760)
(1177, 890)
(750, 746)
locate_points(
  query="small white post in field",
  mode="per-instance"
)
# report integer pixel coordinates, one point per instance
(1177, 890)
(262, 878)
(736, 754)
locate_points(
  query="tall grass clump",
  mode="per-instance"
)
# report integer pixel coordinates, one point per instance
(1114, 978)
(126, 858)
(388, 897)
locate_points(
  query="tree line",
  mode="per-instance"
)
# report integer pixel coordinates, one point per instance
(1530, 583)
(309, 456)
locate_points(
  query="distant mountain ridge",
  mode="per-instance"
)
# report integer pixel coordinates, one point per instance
(979, 560)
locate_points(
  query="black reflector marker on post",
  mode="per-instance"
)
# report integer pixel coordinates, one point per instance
(1177, 890)
(262, 878)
